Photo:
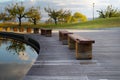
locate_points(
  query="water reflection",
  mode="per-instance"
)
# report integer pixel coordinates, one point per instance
(16, 58)
(16, 47)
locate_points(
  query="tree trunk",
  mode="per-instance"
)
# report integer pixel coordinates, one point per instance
(34, 21)
(55, 21)
(19, 21)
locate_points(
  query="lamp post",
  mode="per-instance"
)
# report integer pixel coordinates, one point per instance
(93, 10)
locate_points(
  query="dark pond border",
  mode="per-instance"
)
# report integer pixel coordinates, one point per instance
(23, 38)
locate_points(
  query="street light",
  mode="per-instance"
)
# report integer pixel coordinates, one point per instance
(93, 10)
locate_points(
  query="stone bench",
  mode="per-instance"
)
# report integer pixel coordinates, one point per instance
(46, 32)
(63, 36)
(36, 30)
(82, 46)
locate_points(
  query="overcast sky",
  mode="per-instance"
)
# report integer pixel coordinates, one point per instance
(83, 6)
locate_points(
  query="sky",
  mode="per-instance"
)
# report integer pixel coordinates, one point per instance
(83, 6)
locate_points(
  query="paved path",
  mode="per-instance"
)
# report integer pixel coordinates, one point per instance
(57, 62)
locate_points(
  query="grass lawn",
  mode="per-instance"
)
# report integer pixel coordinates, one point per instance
(96, 24)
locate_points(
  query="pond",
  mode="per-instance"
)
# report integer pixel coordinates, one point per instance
(16, 58)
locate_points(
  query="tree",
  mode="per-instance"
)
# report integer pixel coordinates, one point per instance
(6, 17)
(34, 15)
(49, 21)
(2, 16)
(64, 16)
(17, 11)
(109, 12)
(78, 17)
(73, 19)
(101, 14)
(54, 14)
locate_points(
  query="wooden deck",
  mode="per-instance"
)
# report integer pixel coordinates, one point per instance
(57, 62)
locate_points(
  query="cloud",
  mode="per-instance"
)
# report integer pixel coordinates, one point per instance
(23, 56)
(83, 6)
(4, 0)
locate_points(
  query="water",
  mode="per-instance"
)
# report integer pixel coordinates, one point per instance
(16, 58)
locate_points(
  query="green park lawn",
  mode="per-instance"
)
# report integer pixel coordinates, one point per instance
(93, 24)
